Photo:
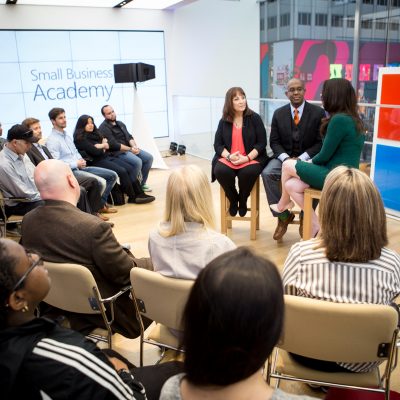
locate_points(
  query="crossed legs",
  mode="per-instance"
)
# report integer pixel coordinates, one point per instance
(293, 188)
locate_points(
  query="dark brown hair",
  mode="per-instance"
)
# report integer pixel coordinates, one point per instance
(338, 96)
(228, 112)
(55, 112)
(233, 318)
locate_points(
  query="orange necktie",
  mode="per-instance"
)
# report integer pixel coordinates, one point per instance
(296, 118)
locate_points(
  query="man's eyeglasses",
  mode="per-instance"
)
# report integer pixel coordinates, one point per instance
(298, 89)
(34, 263)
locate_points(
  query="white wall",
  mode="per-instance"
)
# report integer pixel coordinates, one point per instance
(216, 45)
(210, 45)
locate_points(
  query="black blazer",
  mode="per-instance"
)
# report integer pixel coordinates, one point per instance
(36, 156)
(254, 137)
(281, 139)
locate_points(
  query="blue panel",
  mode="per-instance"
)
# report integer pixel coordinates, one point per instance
(387, 175)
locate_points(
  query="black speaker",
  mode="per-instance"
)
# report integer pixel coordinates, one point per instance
(145, 72)
(125, 73)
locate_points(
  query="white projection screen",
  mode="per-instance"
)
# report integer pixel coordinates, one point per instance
(40, 70)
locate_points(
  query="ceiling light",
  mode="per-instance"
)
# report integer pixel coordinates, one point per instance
(122, 3)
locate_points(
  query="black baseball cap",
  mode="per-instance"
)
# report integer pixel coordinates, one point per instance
(20, 132)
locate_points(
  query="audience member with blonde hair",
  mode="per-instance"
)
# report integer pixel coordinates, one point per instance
(185, 240)
(348, 262)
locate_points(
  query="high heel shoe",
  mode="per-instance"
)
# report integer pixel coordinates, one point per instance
(274, 207)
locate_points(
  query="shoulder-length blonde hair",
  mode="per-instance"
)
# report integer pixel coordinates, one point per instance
(188, 199)
(352, 217)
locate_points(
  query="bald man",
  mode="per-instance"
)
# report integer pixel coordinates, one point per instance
(60, 232)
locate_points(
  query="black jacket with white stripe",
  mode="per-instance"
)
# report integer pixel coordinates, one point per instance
(41, 360)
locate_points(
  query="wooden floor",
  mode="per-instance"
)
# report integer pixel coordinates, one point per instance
(134, 222)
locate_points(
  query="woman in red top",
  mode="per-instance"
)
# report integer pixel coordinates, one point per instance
(239, 144)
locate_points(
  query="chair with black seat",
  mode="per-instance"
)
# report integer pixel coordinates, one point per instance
(161, 299)
(336, 332)
(12, 219)
(74, 289)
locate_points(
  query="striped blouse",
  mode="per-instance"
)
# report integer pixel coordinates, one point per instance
(308, 273)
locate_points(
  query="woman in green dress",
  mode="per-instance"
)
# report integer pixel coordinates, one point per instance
(342, 131)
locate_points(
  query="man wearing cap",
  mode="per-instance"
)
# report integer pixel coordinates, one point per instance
(16, 172)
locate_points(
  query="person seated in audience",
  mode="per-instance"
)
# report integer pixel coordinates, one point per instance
(232, 321)
(60, 232)
(91, 143)
(16, 172)
(186, 240)
(348, 261)
(343, 140)
(40, 359)
(62, 148)
(124, 146)
(2, 140)
(39, 152)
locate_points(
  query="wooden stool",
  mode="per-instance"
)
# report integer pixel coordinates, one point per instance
(226, 218)
(309, 195)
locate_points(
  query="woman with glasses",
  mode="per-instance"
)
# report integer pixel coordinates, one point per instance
(239, 144)
(343, 140)
(41, 360)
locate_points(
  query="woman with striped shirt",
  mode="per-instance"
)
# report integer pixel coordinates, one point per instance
(348, 261)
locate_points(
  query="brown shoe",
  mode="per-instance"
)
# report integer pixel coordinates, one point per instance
(282, 227)
(103, 217)
(108, 210)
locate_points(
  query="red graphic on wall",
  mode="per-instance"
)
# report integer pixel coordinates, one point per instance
(389, 118)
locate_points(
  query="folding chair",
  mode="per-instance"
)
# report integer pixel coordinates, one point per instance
(13, 219)
(337, 332)
(74, 289)
(161, 299)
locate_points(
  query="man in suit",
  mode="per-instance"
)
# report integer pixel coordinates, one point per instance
(70, 235)
(90, 190)
(294, 134)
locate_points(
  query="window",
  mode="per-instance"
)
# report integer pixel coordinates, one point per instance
(304, 18)
(262, 24)
(285, 19)
(394, 26)
(380, 25)
(337, 20)
(368, 1)
(350, 22)
(382, 2)
(271, 22)
(366, 24)
(321, 19)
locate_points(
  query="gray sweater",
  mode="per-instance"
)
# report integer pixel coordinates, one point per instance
(171, 391)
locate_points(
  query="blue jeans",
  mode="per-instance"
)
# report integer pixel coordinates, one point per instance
(110, 178)
(141, 162)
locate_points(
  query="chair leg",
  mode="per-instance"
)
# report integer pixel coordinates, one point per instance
(307, 224)
(253, 217)
(141, 349)
(224, 227)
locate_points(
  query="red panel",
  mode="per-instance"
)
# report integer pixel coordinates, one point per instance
(389, 118)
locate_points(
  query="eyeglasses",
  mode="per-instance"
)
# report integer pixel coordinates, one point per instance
(298, 89)
(34, 264)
